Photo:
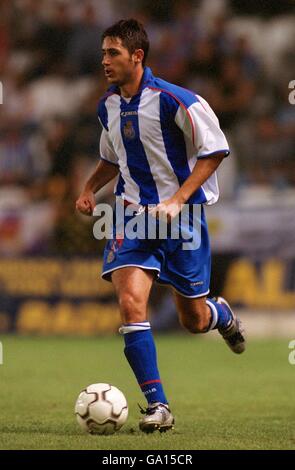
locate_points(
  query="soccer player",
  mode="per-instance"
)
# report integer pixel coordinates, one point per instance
(163, 144)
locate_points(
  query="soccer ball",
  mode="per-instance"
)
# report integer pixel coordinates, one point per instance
(101, 409)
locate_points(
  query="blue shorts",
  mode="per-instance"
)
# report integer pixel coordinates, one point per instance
(186, 270)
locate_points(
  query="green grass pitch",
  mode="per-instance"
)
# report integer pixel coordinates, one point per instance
(220, 400)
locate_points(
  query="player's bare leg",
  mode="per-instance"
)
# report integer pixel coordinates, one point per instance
(132, 286)
(199, 315)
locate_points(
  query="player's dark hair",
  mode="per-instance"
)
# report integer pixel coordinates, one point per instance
(132, 35)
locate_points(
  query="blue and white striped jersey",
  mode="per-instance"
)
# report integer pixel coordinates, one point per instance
(156, 139)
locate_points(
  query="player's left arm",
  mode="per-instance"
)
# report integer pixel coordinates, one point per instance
(201, 127)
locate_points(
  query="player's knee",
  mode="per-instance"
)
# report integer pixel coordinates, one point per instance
(132, 307)
(195, 323)
(194, 326)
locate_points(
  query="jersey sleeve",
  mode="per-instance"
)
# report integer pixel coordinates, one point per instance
(107, 151)
(200, 125)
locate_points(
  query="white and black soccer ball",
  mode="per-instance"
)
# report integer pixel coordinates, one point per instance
(101, 409)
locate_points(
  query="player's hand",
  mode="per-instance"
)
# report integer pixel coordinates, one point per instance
(86, 203)
(166, 210)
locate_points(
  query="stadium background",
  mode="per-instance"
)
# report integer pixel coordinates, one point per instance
(240, 57)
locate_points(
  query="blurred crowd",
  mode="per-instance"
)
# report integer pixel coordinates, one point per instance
(52, 79)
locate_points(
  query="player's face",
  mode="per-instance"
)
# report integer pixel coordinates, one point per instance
(118, 63)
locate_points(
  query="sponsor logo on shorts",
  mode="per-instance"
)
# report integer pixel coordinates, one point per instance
(129, 113)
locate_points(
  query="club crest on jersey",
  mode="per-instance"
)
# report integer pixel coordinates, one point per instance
(110, 257)
(129, 131)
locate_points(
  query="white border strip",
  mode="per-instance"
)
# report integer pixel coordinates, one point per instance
(164, 283)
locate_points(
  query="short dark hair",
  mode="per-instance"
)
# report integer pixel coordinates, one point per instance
(132, 34)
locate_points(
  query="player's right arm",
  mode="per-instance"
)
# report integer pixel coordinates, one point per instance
(105, 171)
